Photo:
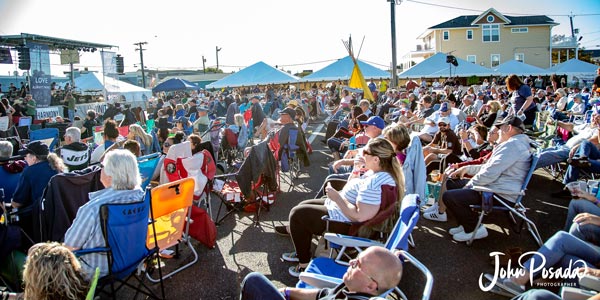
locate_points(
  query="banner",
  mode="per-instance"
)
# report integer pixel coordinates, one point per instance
(48, 112)
(40, 70)
(109, 66)
(5, 57)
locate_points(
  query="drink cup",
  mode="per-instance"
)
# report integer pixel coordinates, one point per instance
(576, 187)
(435, 175)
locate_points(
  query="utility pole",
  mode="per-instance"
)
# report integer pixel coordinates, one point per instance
(140, 44)
(394, 62)
(203, 64)
(217, 51)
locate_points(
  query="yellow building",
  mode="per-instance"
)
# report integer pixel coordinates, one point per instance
(490, 39)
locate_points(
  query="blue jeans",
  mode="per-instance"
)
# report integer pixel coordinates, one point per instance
(590, 151)
(580, 206)
(537, 295)
(71, 115)
(257, 287)
(563, 248)
(553, 155)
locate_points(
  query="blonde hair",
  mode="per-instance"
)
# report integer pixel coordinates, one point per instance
(388, 162)
(398, 135)
(55, 162)
(138, 131)
(494, 106)
(53, 272)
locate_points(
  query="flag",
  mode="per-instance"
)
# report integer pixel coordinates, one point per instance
(357, 81)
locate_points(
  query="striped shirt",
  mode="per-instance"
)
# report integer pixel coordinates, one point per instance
(366, 190)
(86, 233)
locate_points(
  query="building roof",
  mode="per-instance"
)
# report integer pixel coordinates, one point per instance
(52, 42)
(467, 21)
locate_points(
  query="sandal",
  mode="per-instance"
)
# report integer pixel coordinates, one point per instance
(290, 257)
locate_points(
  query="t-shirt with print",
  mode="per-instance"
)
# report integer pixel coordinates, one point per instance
(366, 190)
(447, 140)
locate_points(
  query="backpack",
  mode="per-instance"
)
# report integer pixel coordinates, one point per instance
(202, 228)
(209, 168)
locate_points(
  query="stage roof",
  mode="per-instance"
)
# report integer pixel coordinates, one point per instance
(52, 42)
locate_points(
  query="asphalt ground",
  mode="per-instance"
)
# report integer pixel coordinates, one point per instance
(244, 246)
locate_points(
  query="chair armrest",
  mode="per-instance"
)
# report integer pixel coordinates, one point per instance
(319, 280)
(351, 241)
(590, 282)
(408, 258)
(81, 252)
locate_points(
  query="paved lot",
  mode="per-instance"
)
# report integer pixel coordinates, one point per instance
(244, 247)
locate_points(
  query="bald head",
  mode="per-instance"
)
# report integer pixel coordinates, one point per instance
(374, 271)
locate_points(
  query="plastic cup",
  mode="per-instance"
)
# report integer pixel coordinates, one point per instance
(576, 187)
(435, 175)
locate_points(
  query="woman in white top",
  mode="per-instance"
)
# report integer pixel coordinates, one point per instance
(358, 201)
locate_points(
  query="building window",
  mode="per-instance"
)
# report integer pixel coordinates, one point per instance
(446, 35)
(495, 59)
(520, 57)
(491, 33)
(519, 30)
(472, 58)
(469, 34)
(490, 19)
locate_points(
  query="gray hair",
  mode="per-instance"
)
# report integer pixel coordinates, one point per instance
(6, 149)
(74, 133)
(121, 165)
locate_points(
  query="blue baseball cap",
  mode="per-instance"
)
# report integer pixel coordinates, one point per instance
(444, 107)
(376, 121)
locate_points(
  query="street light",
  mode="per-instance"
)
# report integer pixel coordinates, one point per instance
(218, 49)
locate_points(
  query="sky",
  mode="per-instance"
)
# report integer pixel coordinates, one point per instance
(293, 35)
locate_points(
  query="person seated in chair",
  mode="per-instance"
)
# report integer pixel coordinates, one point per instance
(121, 178)
(9, 168)
(503, 173)
(444, 142)
(372, 273)
(286, 119)
(358, 201)
(74, 153)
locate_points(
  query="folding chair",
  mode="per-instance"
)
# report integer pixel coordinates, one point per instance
(147, 164)
(25, 121)
(9, 181)
(125, 229)
(517, 209)
(290, 163)
(327, 272)
(171, 208)
(48, 136)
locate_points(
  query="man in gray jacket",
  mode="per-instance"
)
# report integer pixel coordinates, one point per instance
(503, 174)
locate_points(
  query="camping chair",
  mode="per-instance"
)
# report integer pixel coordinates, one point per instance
(290, 163)
(517, 209)
(327, 272)
(171, 208)
(48, 136)
(9, 181)
(147, 164)
(229, 146)
(125, 229)
(25, 121)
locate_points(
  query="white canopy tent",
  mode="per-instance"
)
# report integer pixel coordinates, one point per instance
(92, 84)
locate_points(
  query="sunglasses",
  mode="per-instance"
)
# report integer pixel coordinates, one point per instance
(167, 144)
(355, 264)
(442, 125)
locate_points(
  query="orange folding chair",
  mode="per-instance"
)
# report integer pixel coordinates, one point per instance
(171, 208)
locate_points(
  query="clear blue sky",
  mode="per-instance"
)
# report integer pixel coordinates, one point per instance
(293, 34)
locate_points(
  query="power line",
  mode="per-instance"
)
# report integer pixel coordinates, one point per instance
(504, 13)
(309, 63)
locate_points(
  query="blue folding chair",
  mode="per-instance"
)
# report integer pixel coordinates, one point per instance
(327, 272)
(125, 228)
(516, 209)
(48, 136)
(8, 182)
(289, 159)
(147, 164)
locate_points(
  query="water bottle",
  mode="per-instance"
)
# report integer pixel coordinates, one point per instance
(352, 145)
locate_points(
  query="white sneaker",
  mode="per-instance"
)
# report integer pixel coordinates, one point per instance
(456, 230)
(433, 207)
(436, 216)
(465, 236)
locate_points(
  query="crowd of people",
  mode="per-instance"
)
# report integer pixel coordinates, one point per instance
(477, 138)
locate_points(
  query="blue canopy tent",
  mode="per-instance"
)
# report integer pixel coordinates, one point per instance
(174, 84)
(257, 74)
(518, 68)
(436, 67)
(342, 69)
